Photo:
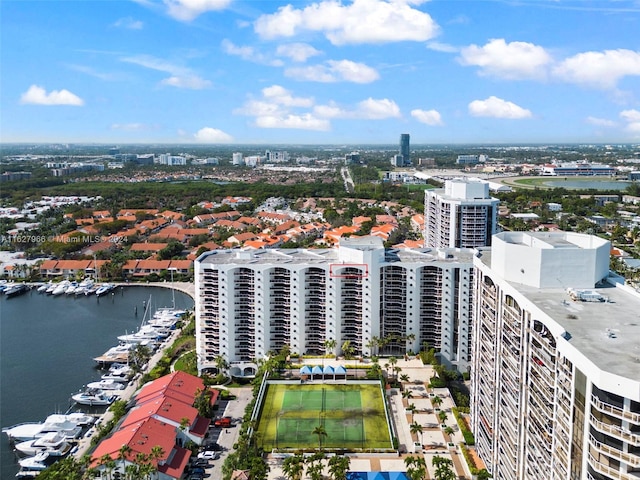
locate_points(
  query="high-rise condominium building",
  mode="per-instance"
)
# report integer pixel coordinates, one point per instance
(405, 148)
(251, 302)
(460, 215)
(556, 360)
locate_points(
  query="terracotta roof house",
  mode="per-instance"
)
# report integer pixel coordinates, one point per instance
(358, 221)
(333, 236)
(70, 268)
(275, 218)
(240, 238)
(147, 247)
(163, 416)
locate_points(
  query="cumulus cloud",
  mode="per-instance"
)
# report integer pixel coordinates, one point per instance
(181, 77)
(513, 61)
(37, 95)
(129, 23)
(278, 109)
(298, 52)
(599, 69)
(497, 108)
(429, 117)
(334, 71)
(369, 109)
(632, 117)
(249, 53)
(212, 135)
(187, 10)
(600, 122)
(362, 21)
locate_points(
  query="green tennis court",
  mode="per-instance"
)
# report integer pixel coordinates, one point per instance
(352, 416)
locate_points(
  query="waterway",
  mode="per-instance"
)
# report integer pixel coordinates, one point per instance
(47, 345)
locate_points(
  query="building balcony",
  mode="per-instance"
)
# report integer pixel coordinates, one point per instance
(628, 458)
(616, 431)
(615, 411)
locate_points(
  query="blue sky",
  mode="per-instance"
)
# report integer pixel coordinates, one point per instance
(323, 72)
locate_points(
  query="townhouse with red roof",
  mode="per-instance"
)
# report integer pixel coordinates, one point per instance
(162, 421)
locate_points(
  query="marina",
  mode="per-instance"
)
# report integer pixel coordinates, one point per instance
(49, 345)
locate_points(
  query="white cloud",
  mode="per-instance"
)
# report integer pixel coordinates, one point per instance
(374, 109)
(37, 95)
(128, 23)
(369, 109)
(192, 82)
(362, 21)
(249, 53)
(442, 47)
(282, 96)
(187, 10)
(497, 108)
(513, 61)
(92, 72)
(298, 52)
(276, 109)
(600, 122)
(599, 69)
(299, 122)
(632, 117)
(334, 71)
(430, 117)
(181, 77)
(212, 135)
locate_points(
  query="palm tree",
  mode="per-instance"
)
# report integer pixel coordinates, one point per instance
(412, 408)
(444, 468)
(442, 415)
(108, 463)
(221, 364)
(321, 432)
(329, 345)
(339, 466)
(448, 431)
(416, 467)
(404, 378)
(292, 467)
(415, 428)
(409, 339)
(436, 401)
(407, 394)
(393, 361)
(315, 465)
(123, 453)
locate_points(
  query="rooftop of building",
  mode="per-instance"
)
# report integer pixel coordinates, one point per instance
(604, 325)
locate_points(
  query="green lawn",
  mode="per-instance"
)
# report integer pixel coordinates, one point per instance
(352, 416)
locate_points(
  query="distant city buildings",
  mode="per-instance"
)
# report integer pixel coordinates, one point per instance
(555, 372)
(581, 168)
(171, 160)
(461, 215)
(403, 158)
(11, 176)
(471, 159)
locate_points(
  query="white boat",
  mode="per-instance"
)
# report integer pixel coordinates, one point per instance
(61, 288)
(54, 443)
(71, 289)
(104, 289)
(37, 463)
(93, 397)
(70, 425)
(118, 373)
(119, 353)
(106, 385)
(146, 332)
(83, 286)
(15, 290)
(51, 288)
(43, 288)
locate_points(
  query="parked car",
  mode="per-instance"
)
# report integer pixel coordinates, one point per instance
(223, 422)
(208, 455)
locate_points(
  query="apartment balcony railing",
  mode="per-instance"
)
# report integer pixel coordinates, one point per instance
(606, 470)
(629, 459)
(615, 411)
(616, 431)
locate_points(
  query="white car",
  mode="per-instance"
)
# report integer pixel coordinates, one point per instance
(208, 455)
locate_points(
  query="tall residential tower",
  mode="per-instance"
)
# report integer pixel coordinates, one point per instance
(460, 215)
(556, 360)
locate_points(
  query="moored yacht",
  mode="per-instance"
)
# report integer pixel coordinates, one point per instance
(37, 463)
(54, 443)
(70, 425)
(93, 397)
(106, 385)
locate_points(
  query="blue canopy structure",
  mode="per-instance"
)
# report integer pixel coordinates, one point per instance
(306, 370)
(328, 370)
(340, 370)
(397, 476)
(317, 370)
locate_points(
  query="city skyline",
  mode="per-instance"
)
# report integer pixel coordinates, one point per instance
(363, 71)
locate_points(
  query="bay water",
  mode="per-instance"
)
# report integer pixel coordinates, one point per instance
(47, 345)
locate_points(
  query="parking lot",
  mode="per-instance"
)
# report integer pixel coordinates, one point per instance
(220, 440)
